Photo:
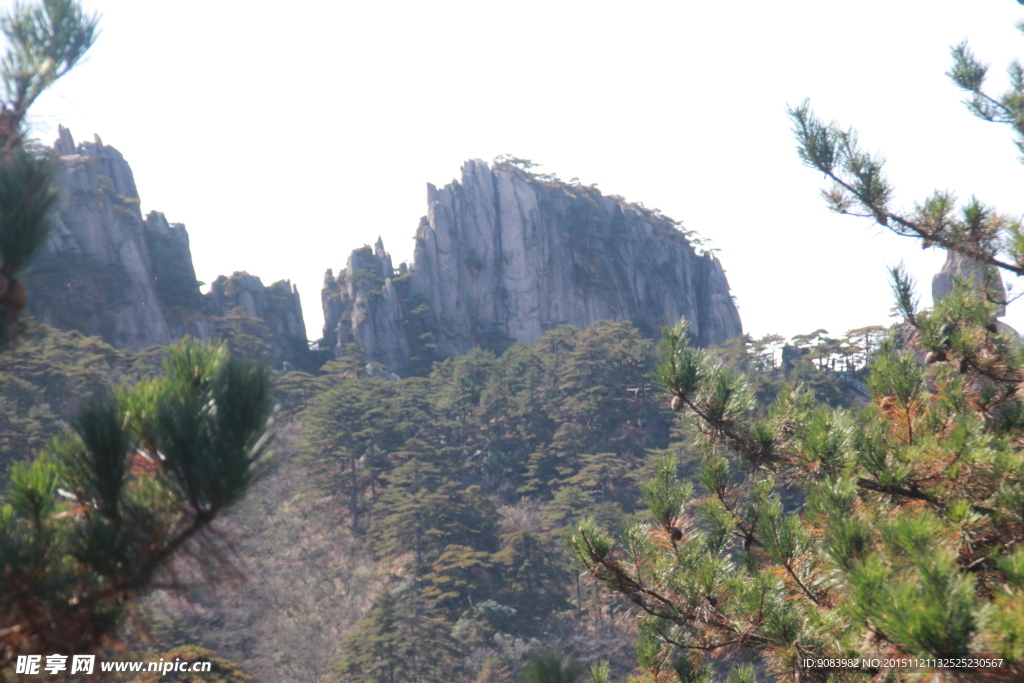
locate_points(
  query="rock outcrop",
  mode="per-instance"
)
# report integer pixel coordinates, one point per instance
(503, 255)
(958, 265)
(984, 278)
(108, 272)
(277, 305)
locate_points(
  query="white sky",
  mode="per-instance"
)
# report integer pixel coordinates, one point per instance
(284, 135)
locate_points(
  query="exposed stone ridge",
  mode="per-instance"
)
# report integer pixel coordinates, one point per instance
(107, 271)
(503, 256)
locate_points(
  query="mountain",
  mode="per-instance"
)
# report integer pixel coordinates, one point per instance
(501, 257)
(504, 255)
(108, 272)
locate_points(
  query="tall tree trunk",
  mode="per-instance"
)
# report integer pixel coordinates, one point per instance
(355, 497)
(579, 599)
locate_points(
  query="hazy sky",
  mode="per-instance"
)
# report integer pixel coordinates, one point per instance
(285, 135)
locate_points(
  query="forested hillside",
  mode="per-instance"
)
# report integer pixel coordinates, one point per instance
(420, 522)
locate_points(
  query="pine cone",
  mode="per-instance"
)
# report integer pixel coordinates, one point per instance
(677, 403)
(675, 533)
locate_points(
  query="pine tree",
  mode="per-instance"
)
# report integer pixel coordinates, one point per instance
(246, 336)
(400, 641)
(458, 577)
(905, 536)
(910, 539)
(551, 668)
(494, 670)
(534, 576)
(422, 512)
(860, 188)
(356, 425)
(45, 40)
(137, 481)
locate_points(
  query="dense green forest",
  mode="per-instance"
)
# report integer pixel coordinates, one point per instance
(429, 512)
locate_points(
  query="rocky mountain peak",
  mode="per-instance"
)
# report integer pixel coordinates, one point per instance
(503, 255)
(108, 272)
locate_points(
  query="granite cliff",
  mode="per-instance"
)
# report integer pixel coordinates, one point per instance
(504, 255)
(109, 272)
(501, 256)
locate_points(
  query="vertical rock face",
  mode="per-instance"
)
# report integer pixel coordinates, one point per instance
(503, 256)
(95, 273)
(108, 272)
(174, 278)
